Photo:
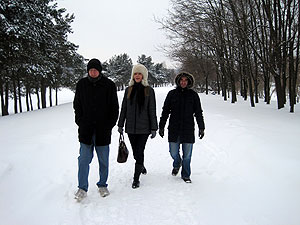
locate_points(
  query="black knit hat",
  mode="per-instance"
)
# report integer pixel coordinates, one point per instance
(94, 64)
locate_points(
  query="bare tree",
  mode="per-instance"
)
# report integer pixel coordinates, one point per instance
(252, 44)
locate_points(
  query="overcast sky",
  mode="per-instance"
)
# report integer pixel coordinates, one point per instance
(103, 29)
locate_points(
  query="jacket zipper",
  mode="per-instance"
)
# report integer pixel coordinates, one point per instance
(135, 118)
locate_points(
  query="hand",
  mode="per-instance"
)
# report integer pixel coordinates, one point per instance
(153, 134)
(201, 133)
(161, 132)
(120, 130)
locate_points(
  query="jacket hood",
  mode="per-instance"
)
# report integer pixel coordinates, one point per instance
(190, 77)
(139, 68)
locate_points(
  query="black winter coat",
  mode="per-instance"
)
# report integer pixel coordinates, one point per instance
(96, 110)
(182, 105)
(138, 122)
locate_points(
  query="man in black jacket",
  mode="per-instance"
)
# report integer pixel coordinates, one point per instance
(182, 104)
(96, 112)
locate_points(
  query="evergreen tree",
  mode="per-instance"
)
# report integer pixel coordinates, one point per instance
(119, 70)
(147, 62)
(35, 54)
(157, 73)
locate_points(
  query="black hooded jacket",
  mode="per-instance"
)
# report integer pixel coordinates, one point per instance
(182, 104)
(96, 110)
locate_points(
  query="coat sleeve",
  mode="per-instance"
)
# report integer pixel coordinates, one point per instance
(166, 110)
(123, 110)
(198, 112)
(152, 110)
(114, 106)
(77, 105)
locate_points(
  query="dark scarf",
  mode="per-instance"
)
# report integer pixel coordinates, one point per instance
(94, 80)
(138, 90)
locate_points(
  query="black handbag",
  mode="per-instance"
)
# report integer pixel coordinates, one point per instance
(123, 151)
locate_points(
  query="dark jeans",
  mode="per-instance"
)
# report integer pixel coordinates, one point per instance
(138, 143)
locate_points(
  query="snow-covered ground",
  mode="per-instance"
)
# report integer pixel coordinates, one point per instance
(245, 171)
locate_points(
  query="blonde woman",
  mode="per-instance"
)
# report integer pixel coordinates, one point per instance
(138, 113)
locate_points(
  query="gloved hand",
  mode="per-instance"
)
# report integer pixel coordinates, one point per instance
(161, 132)
(201, 133)
(120, 130)
(153, 134)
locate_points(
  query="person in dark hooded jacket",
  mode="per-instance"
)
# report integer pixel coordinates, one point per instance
(138, 112)
(182, 105)
(96, 112)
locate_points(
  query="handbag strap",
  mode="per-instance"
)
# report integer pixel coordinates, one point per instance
(121, 138)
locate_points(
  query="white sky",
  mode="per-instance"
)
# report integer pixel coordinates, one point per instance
(103, 29)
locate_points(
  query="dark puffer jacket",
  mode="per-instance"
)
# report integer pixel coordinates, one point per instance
(182, 104)
(96, 110)
(138, 122)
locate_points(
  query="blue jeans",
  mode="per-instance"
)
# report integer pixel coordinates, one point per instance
(84, 160)
(186, 157)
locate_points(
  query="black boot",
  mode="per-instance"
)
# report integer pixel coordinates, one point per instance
(135, 184)
(136, 178)
(144, 171)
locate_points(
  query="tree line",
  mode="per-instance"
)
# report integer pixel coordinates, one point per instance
(119, 67)
(36, 56)
(249, 47)
(35, 53)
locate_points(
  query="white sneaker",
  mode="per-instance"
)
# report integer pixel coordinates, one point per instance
(103, 191)
(80, 194)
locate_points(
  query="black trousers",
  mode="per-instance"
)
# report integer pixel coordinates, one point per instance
(138, 143)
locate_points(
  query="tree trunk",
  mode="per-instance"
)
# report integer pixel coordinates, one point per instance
(267, 86)
(2, 96)
(6, 102)
(256, 91)
(50, 96)
(245, 89)
(31, 106)
(15, 96)
(241, 82)
(27, 98)
(233, 91)
(19, 93)
(43, 93)
(251, 92)
(56, 96)
(280, 96)
(218, 81)
(38, 97)
(224, 84)
(206, 84)
(292, 80)
(293, 62)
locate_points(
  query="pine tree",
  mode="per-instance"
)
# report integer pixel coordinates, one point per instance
(147, 62)
(119, 70)
(35, 53)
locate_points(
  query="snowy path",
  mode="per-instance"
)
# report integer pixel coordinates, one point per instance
(242, 172)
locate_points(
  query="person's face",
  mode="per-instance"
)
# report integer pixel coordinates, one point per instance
(183, 82)
(138, 77)
(93, 73)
